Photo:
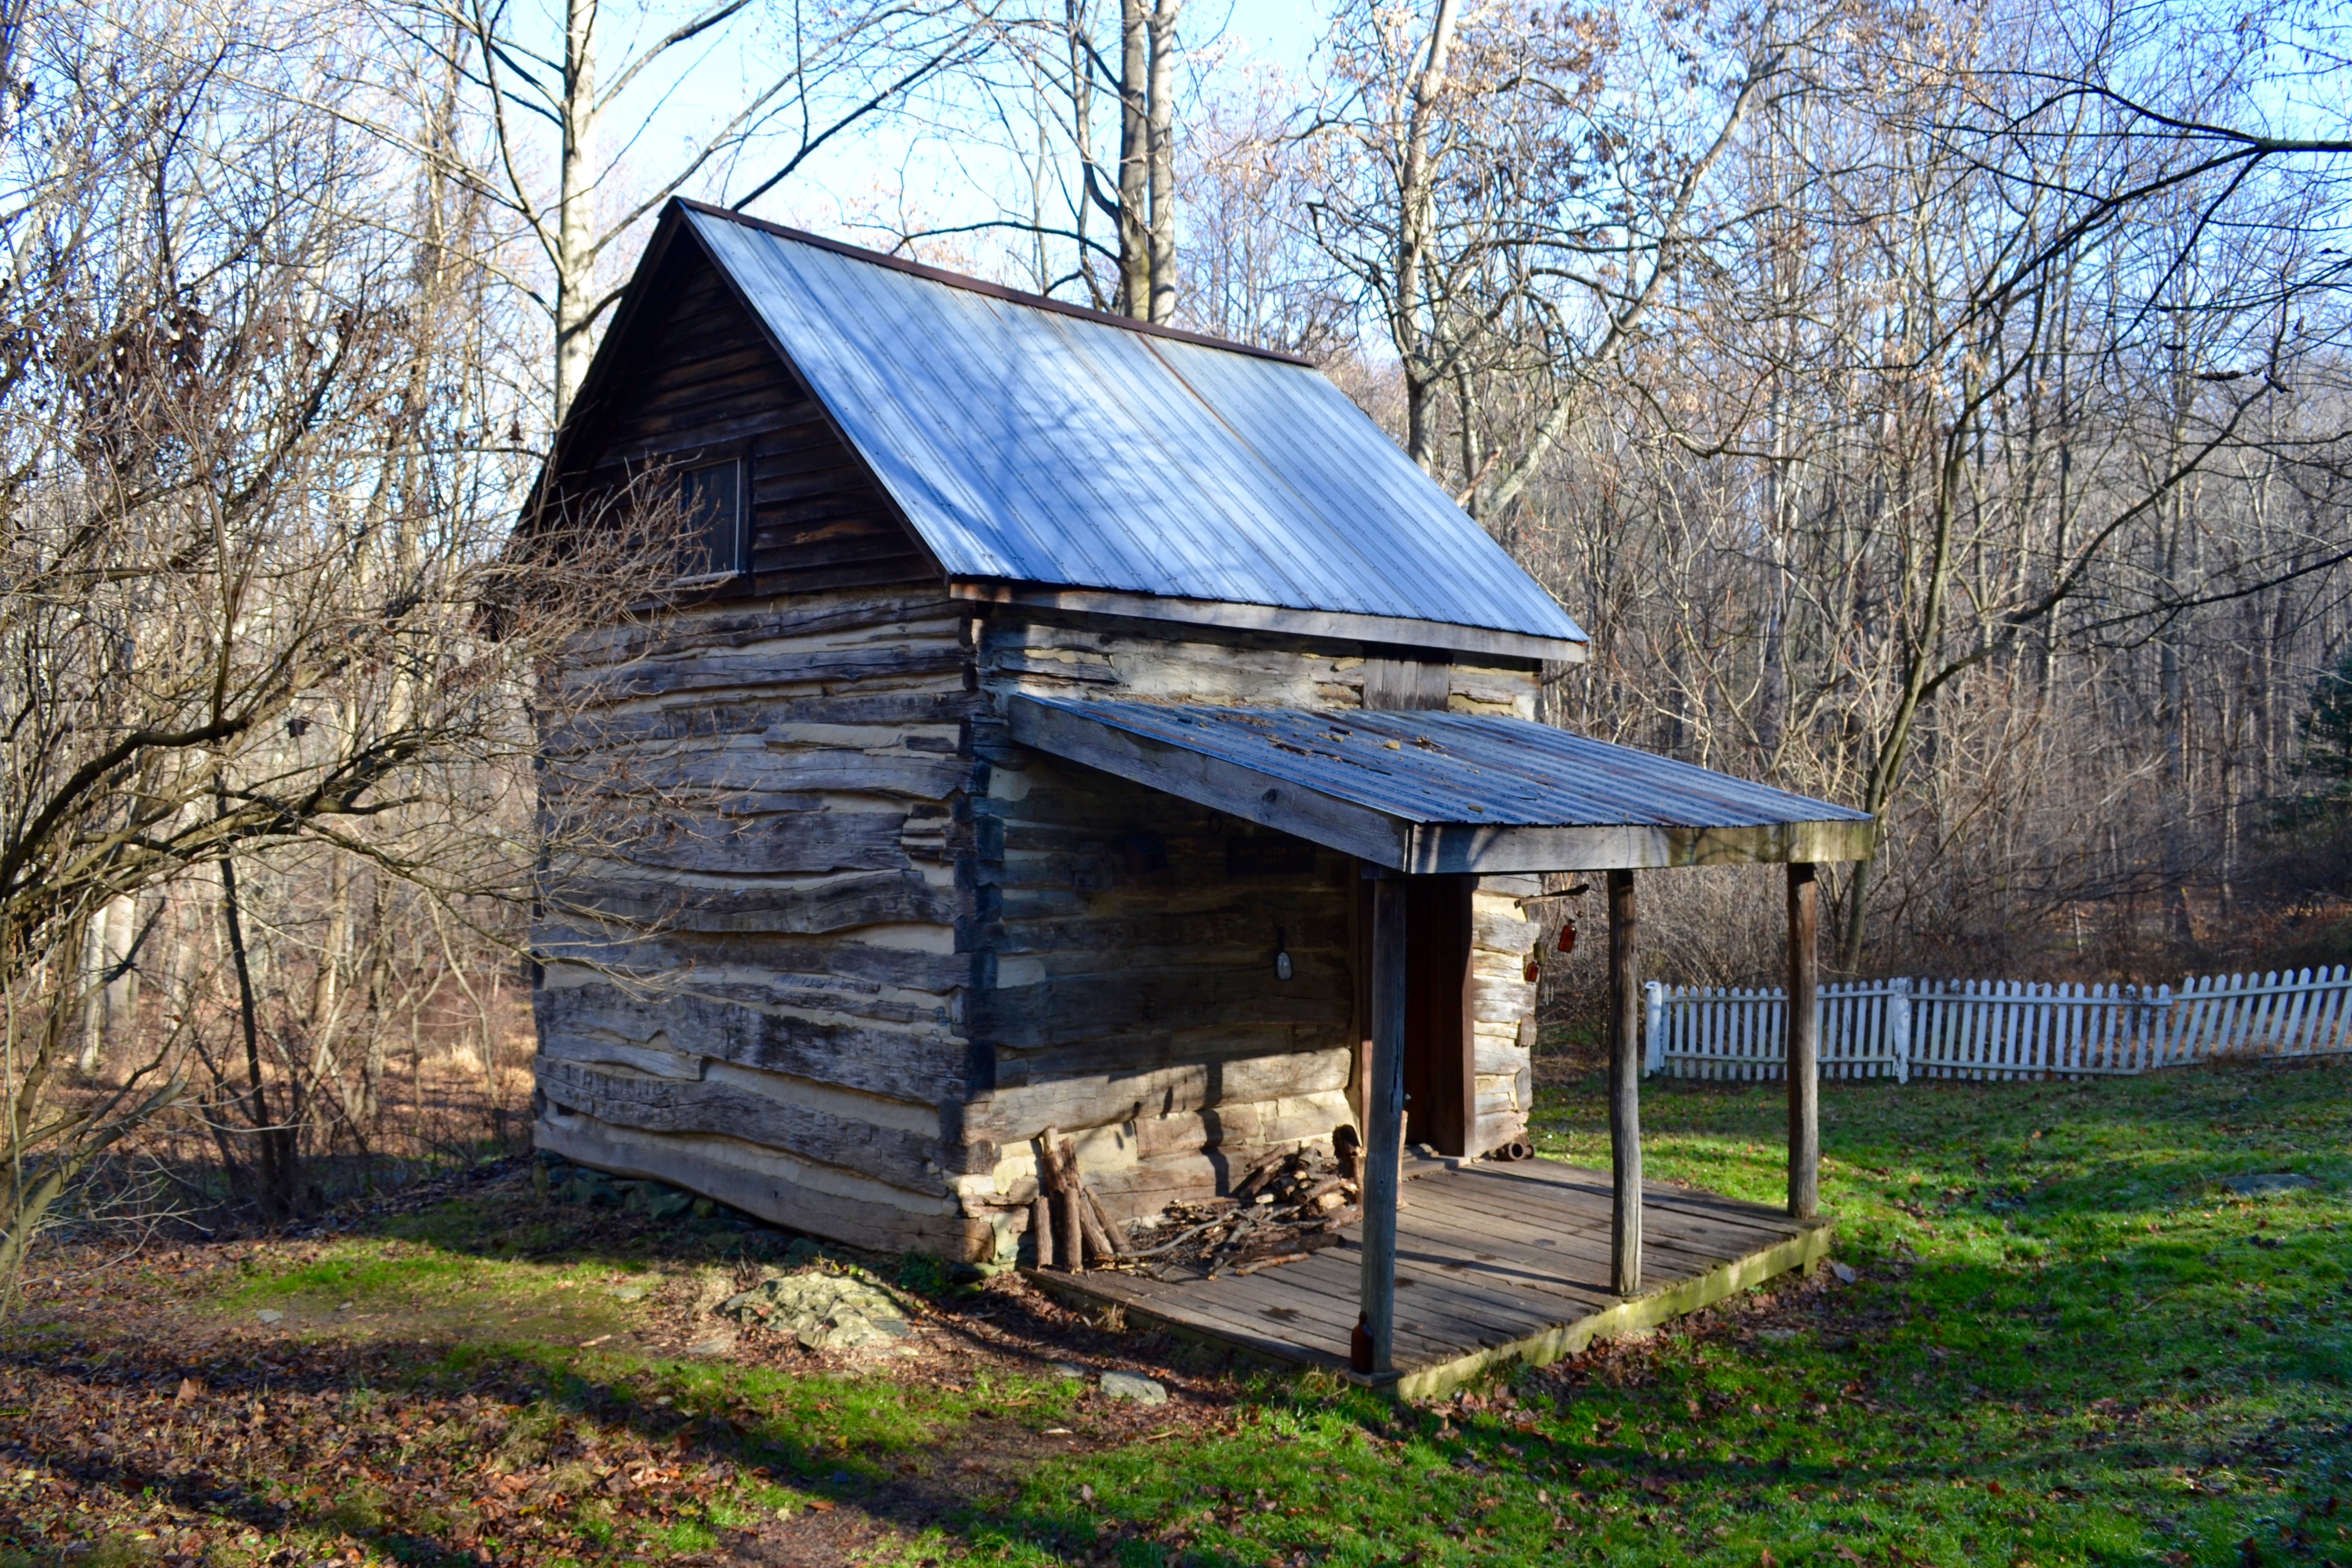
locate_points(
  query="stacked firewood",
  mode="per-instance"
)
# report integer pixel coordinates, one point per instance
(1283, 1210)
(1067, 1221)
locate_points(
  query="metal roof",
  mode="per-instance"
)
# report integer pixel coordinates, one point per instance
(1445, 792)
(1030, 443)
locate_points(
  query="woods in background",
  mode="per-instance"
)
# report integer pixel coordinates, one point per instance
(1943, 411)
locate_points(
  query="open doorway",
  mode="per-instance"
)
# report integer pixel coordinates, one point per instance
(1440, 1069)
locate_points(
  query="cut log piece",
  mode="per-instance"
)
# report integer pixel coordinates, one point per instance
(1041, 1227)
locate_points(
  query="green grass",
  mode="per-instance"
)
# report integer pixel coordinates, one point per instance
(2064, 1343)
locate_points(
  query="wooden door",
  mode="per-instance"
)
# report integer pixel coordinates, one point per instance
(1440, 1085)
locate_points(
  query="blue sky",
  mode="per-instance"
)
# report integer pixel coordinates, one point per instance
(890, 173)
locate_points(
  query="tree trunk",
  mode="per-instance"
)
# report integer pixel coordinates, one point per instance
(1415, 193)
(88, 976)
(274, 1139)
(1134, 160)
(575, 229)
(1161, 137)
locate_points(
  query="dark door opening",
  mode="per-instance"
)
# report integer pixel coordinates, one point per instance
(1440, 1081)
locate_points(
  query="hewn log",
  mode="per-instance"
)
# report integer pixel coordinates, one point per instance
(890, 715)
(909, 660)
(902, 1052)
(902, 1158)
(773, 1186)
(1084, 1008)
(793, 964)
(801, 842)
(863, 898)
(1183, 1105)
(739, 625)
(597, 1049)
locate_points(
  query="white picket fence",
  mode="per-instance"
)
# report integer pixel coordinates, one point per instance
(1904, 1029)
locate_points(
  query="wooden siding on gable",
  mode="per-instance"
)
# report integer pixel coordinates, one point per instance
(703, 382)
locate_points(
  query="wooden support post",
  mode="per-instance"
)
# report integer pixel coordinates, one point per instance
(1374, 1351)
(1624, 1088)
(1804, 1013)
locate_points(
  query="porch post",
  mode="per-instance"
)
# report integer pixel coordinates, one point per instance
(1624, 1088)
(1804, 1028)
(1374, 1350)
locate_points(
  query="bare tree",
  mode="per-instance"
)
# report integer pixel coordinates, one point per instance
(254, 530)
(583, 99)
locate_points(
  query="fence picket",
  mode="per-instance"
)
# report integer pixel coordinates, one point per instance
(2000, 1029)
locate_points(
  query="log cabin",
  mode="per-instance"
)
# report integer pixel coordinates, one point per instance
(1062, 722)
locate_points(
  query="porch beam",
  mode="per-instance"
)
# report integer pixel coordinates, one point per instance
(1374, 1351)
(1804, 1029)
(1624, 1088)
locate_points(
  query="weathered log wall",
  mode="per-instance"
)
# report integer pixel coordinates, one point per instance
(823, 943)
(844, 942)
(1126, 988)
(1502, 1009)
(751, 951)
(1133, 936)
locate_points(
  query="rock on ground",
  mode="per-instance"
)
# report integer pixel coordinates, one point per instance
(823, 1311)
(1135, 1386)
(2267, 1186)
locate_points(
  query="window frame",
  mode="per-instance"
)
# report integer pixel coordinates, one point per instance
(739, 535)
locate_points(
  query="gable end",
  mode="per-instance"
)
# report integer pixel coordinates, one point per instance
(690, 376)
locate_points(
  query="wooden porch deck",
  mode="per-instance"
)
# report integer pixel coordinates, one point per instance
(1495, 1262)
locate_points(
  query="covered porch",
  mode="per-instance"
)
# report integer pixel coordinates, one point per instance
(1481, 1261)
(1495, 1262)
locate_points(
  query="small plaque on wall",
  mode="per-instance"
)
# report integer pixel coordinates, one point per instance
(1270, 854)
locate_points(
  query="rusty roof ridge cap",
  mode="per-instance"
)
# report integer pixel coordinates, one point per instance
(982, 286)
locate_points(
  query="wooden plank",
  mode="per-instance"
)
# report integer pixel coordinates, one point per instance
(1260, 1338)
(1455, 1310)
(1654, 1195)
(1431, 1319)
(1583, 1232)
(1546, 1231)
(1671, 1242)
(1630, 1316)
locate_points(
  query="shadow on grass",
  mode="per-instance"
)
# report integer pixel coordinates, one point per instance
(1889, 1399)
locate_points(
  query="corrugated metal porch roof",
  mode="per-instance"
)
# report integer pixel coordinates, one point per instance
(1030, 443)
(1430, 792)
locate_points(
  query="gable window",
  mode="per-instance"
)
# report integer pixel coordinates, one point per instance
(711, 496)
